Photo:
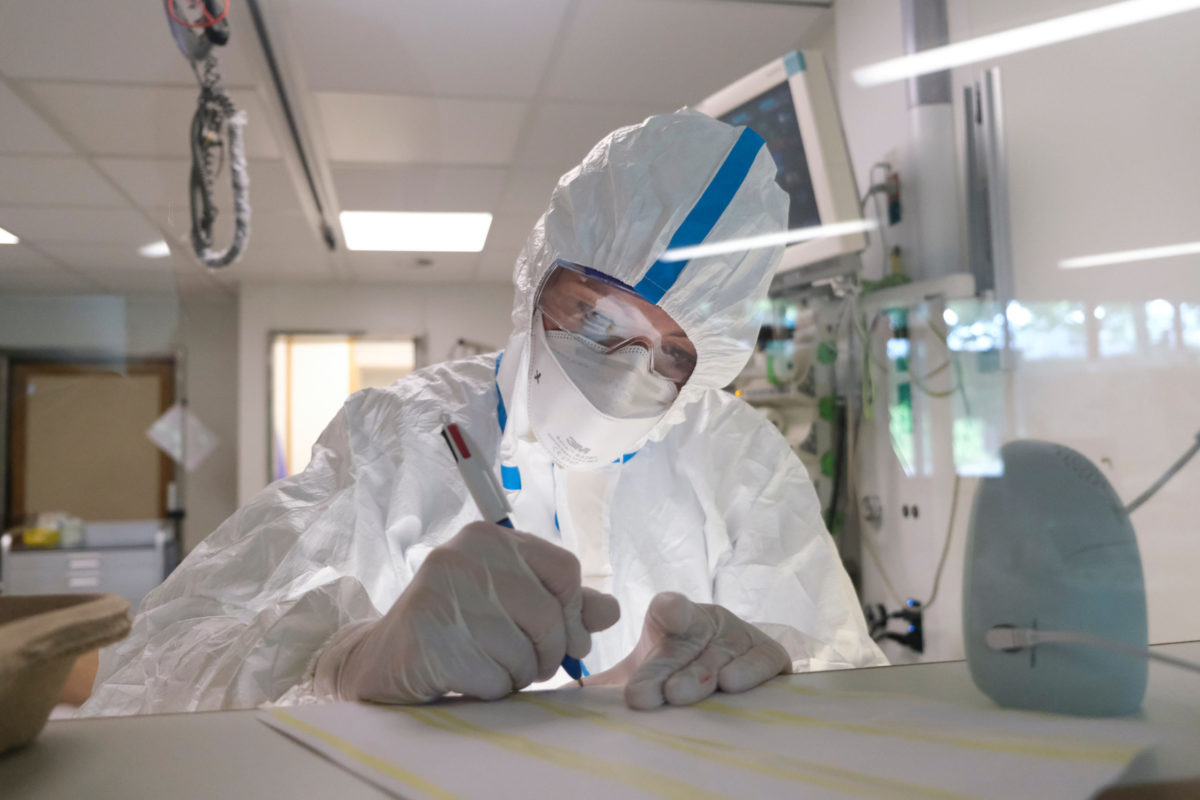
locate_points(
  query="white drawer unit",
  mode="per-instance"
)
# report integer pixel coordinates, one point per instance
(130, 571)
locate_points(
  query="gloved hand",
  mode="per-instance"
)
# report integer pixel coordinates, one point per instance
(689, 650)
(489, 612)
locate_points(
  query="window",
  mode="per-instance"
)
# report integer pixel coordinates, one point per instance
(311, 377)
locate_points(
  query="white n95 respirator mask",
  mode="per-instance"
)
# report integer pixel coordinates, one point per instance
(588, 407)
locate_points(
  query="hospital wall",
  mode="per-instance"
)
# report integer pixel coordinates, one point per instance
(210, 331)
(205, 331)
(1101, 153)
(438, 313)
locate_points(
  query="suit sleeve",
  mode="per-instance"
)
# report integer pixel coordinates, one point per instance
(238, 623)
(782, 570)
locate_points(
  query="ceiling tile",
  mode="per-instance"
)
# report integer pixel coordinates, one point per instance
(276, 231)
(402, 267)
(426, 47)
(89, 257)
(207, 291)
(527, 194)
(41, 180)
(122, 281)
(22, 257)
(77, 225)
(670, 52)
(163, 183)
(23, 131)
(421, 130)
(281, 246)
(52, 279)
(563, 133)
(107, 42)
(376, 187)
(173, 280)
(504, 243)
(267, 231)
(141, 120)
(280, 265)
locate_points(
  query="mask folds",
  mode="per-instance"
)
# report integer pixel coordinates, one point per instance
(587, 408)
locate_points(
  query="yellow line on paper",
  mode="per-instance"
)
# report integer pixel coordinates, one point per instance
(635, 776)
(1038, 748)
(771, 764)
(365, 758)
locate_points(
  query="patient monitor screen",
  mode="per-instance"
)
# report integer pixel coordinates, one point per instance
(773, 117)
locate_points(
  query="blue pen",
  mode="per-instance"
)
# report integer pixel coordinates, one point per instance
(488, 497)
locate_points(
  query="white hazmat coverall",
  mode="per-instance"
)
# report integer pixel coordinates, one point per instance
(712, 504)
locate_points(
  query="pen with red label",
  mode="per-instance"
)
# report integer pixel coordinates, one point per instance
(484, 489)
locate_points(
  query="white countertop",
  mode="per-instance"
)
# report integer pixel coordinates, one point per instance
(230, 754)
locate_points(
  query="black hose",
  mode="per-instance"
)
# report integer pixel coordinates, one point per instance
(217, 125)
(204, 214)
(839, 466)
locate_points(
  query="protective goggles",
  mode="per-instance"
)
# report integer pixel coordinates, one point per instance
(610, 314)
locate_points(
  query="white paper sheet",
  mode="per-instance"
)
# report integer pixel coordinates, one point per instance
(180, 434)
(780, 740)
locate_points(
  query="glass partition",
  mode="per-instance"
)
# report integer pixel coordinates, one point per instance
(1032, 269)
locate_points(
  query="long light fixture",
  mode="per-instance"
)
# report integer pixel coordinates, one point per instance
(159, 249)
(768, 240)
(444, 232)
(1016, 40)
(1125, 256)
(8, 238)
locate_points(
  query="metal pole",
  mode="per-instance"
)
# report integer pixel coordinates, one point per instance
(934, 164)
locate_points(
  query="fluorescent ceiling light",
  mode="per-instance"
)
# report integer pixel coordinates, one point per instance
(158, 249)
(1027, 37)
(1103, 259)
(451, 232)
(8, 238)
(767, 240)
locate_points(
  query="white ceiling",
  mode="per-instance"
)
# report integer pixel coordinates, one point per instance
(411, 105)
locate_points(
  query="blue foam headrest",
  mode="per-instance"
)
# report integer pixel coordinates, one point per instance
(1050, 547)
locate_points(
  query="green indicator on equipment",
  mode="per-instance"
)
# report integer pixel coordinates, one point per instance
(827, 409)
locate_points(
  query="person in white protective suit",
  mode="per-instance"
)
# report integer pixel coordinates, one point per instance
(633, 479)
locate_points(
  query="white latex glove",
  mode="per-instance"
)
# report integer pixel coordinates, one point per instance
(689, 650)
(489, 612)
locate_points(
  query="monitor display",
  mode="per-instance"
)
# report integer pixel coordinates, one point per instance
(790, 103)
(773, 117)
